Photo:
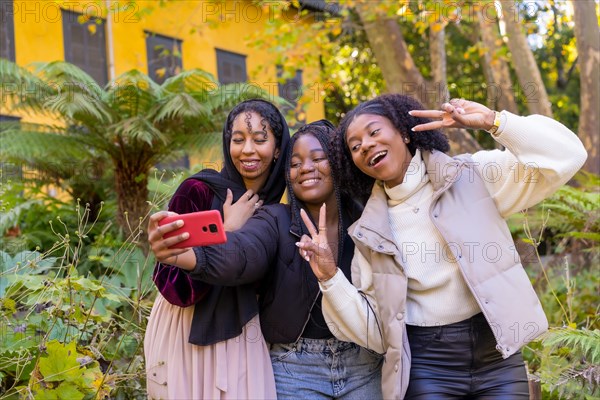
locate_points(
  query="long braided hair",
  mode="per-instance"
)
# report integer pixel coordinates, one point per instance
(323, 131)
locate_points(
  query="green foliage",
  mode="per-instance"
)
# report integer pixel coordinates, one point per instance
(351, 73)
(120, 131)
(566, 360)
(571, 217)
(557, 60)
(570, 363)
(71, 335)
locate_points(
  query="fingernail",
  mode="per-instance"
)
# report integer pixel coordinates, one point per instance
(297, 244)
(410, 113)
(412, 129)
(185, 235)
(179, 223)
(307, 259)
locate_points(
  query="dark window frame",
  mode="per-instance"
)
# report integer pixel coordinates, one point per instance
(8, 170)
(235, 59)
(287, 85)
(170, 61)
(97, 69)
(7, 30)
(9, 118)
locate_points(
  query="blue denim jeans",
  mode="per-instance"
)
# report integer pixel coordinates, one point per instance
(326, 369)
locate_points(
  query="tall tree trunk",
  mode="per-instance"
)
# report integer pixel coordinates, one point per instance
(437, 52)
(461, 141)
(526, 68)
(131, 185)
(397, 66)
(587, 35)
(500, 91)
(399, 71)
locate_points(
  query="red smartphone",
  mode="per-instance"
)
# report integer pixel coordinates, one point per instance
(205, 228)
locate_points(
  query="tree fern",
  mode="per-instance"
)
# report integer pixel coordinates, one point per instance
(133, 122)
(572, 212)
(579, 373)
(583, 343)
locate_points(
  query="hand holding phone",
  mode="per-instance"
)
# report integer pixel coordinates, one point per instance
(204, 227)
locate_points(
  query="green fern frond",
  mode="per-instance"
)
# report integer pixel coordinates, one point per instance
(138, 129)
(180, 106)
(66, 76)
(593, 236)
(80, 107)
(35, 147)
(582, 342)
(191, 81)
(132, 94)
(24, 91)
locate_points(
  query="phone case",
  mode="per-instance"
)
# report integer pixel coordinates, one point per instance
(205, 228)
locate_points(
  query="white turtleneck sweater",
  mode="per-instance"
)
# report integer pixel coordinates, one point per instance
(437, 292)
(541, 155)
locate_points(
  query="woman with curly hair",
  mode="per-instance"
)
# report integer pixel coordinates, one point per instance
(201, 341)
(438, 285)
(308, 361)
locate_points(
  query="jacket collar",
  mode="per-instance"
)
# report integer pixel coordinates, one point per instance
(375, 231)
(441, 169)
(371, 228)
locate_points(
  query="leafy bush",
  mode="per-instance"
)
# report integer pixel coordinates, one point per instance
(74, 316)
(566, 359)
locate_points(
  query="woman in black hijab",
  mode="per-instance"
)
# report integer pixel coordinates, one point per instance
(204, 341)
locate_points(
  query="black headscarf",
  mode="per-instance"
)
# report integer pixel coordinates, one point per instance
(230, 178)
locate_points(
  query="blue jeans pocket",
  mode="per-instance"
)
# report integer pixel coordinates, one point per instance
(370, 359)
(279, 352)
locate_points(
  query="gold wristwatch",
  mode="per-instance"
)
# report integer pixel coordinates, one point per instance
(496, 125)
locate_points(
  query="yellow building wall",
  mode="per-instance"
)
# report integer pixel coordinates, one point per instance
(39, 38)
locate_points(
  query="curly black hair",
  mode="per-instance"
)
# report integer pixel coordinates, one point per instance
(394, 107)
(269, 113)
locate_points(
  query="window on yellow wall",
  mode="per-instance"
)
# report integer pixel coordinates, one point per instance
(10, 171)
(7, 30)
(231, 67)
(164, 56)
(291, 90)
(85, 44)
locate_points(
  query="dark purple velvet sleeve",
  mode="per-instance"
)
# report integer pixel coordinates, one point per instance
(175, 285)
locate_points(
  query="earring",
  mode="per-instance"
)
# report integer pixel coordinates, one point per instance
(274, 160)
(407, 140)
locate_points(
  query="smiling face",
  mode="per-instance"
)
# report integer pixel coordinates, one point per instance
(252, 149)
(310, 172)
(378, 149)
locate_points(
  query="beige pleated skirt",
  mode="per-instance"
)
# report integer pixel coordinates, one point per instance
(238, 368)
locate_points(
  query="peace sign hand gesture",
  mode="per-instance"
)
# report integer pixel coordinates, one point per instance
(315, 249)
(457, 113)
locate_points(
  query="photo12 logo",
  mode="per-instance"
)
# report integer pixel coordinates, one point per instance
(26, 11)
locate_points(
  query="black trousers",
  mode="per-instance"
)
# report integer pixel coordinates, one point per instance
(460, 361)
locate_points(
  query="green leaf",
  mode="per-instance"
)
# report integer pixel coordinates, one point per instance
(61, 362)
(46, 394)
(68, 390)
